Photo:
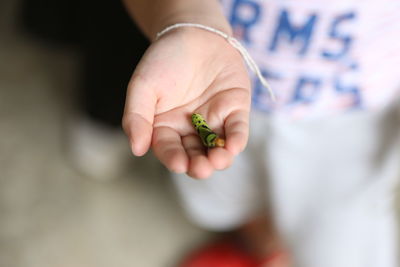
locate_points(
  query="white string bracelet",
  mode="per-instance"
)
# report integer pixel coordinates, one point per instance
(234, 42)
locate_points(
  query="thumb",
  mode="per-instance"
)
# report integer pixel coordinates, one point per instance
(139, 114)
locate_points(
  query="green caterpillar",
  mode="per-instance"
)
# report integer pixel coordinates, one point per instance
(207, 136)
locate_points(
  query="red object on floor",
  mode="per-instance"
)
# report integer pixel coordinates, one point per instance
(225, 253)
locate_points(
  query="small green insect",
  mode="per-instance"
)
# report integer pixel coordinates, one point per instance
(207, 136)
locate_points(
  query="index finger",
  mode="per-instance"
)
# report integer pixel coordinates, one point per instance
(237, 131)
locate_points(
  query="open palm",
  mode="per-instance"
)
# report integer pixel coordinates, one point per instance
(188, 71)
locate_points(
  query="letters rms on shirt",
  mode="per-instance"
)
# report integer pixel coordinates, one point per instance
(321, 57)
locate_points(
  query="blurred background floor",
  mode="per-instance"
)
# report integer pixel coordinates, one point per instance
(50, 215)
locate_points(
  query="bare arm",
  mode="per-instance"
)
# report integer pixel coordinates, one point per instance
(186, 71)
(154, 15)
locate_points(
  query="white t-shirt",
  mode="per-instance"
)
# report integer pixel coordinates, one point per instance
(321, 57)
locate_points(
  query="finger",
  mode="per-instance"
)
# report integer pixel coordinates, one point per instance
(220, 158)
(139, 132)
(139, 114)
(167, 147)
(237, 131)
(199, 164)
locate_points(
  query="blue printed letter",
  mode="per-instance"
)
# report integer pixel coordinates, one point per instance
(351, 90)
(346, 39)
(292, 32)
(238, 20)
(306, 90)
(261, 98)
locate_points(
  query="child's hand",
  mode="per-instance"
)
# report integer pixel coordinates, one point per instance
(188, 71)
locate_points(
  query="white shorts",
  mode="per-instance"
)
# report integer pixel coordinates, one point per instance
(331, 184)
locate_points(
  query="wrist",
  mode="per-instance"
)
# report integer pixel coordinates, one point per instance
(153, 16)
(206, 12)
(216, 23)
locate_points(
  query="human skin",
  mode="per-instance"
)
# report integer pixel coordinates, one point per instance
(186, 71)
